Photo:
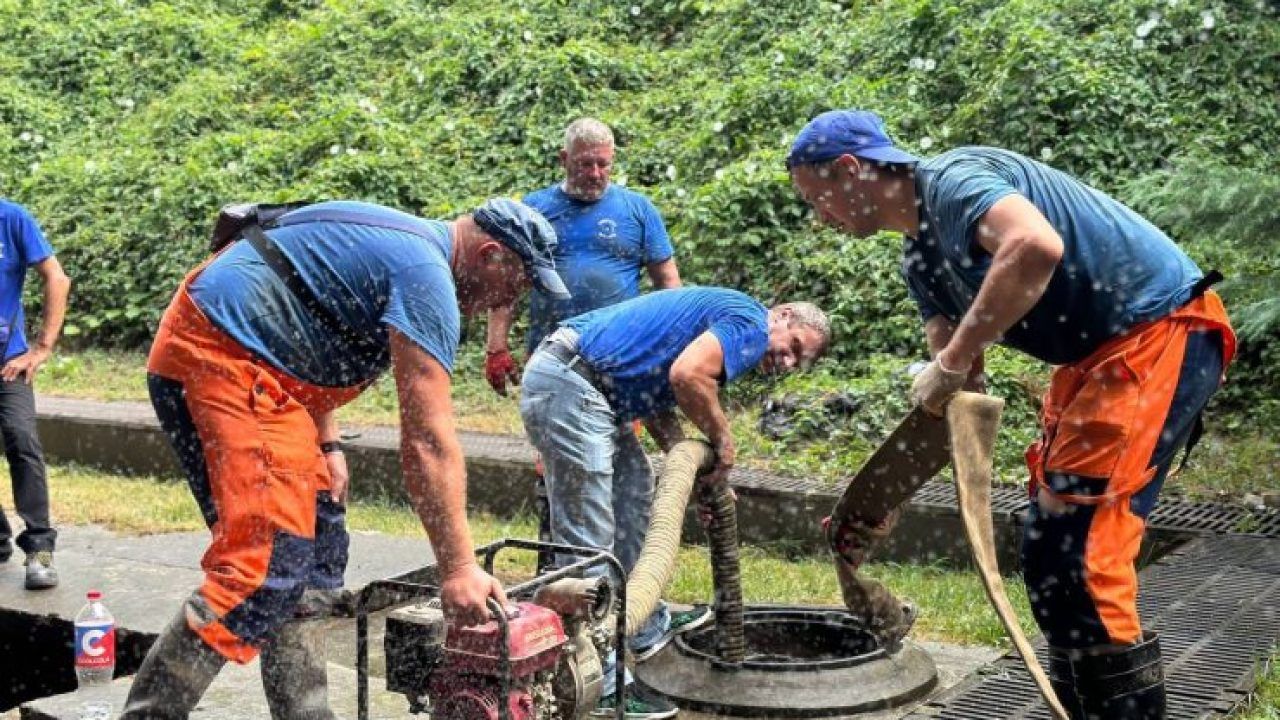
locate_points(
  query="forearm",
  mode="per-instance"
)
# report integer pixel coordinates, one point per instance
(500, 321)
(1019, 275)
(699, 398)
(665, 429)
(56, 290)
(327, 426)
(435, 478)
(664, 274)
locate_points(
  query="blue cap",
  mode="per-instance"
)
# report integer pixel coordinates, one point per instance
(845, 132)
(527, 234)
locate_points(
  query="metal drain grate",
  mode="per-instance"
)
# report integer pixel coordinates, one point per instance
(1215, 603)
(1170, 515)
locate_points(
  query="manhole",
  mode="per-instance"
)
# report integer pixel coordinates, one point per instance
(801, 662)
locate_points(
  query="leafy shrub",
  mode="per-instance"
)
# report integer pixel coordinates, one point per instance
(828, 446)
(127, 125)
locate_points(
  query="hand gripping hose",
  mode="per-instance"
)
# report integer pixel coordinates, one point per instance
(973, 420)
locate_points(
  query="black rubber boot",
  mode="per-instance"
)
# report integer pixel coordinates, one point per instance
(176, 672)
(294, 674)
(1125, 685)
(1063, 679)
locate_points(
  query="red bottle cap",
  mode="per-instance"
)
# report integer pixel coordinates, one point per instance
(95, 595)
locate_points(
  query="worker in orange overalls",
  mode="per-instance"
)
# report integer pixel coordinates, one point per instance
(260, 346)
(1002, 248)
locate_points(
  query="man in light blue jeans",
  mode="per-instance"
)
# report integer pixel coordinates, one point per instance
(641, 359)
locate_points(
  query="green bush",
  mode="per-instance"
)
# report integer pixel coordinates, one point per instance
(126, 125)
(827, 446)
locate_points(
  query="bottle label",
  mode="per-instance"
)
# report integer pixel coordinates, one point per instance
(95, 645)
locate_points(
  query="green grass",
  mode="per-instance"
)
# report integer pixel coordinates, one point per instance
(121, 375)
(1265, 703)
(1222, 466)
(136, 505)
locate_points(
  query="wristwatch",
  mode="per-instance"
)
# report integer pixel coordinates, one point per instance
(331, 446)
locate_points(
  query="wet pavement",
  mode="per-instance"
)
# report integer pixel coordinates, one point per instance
(145, 579)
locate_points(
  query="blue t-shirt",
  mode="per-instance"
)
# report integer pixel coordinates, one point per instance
(363, 272)
(603, 246)
(1117, 269)
(21, 246)
(633, 344)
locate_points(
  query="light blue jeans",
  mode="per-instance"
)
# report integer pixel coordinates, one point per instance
(599, 482)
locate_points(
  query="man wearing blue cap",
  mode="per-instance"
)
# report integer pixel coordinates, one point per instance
(259, 347)
(641, 359)
(1001, 248)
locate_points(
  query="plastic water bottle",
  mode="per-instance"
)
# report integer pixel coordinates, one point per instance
(95, 658)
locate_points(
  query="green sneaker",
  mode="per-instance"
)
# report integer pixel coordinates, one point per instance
(681, 622)
(640, 705)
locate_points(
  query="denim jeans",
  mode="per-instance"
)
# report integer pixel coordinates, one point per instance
(26, 468)
(599, 482)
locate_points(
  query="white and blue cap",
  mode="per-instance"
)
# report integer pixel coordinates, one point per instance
(526, 233)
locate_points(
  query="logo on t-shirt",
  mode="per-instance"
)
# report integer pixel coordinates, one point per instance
(607, 229)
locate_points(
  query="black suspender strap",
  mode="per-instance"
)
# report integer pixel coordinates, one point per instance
(280, 264)
(1211, 278)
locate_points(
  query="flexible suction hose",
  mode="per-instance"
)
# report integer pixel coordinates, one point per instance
(657, 563)
(722, 534)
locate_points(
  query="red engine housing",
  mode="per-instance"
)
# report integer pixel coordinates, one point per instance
(468, 684)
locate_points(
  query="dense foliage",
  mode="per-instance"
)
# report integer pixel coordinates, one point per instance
(125, 123)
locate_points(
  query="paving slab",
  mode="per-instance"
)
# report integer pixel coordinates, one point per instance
(237, 695)
(145, 578)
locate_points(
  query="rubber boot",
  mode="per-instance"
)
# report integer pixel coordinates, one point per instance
(294, 674)
(1125, 685)
(174, 675)
(1063, 679)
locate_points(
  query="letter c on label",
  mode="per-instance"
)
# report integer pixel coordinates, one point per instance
(91, 643)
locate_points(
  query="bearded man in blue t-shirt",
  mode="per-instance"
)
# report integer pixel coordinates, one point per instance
(607, 236)
(1000, 248)
(641, 360)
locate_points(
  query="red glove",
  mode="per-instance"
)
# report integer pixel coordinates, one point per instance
(500, 367)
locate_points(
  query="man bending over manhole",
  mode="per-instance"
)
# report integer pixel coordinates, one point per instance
(641, 359)
(260, 346)
(1001, 248)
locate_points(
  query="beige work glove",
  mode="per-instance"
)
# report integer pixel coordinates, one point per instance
(934, 387)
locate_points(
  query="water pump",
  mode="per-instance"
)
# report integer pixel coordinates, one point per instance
(540, 661)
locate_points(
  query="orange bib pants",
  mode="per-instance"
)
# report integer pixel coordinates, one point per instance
(1111, 427)
(244, 434)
